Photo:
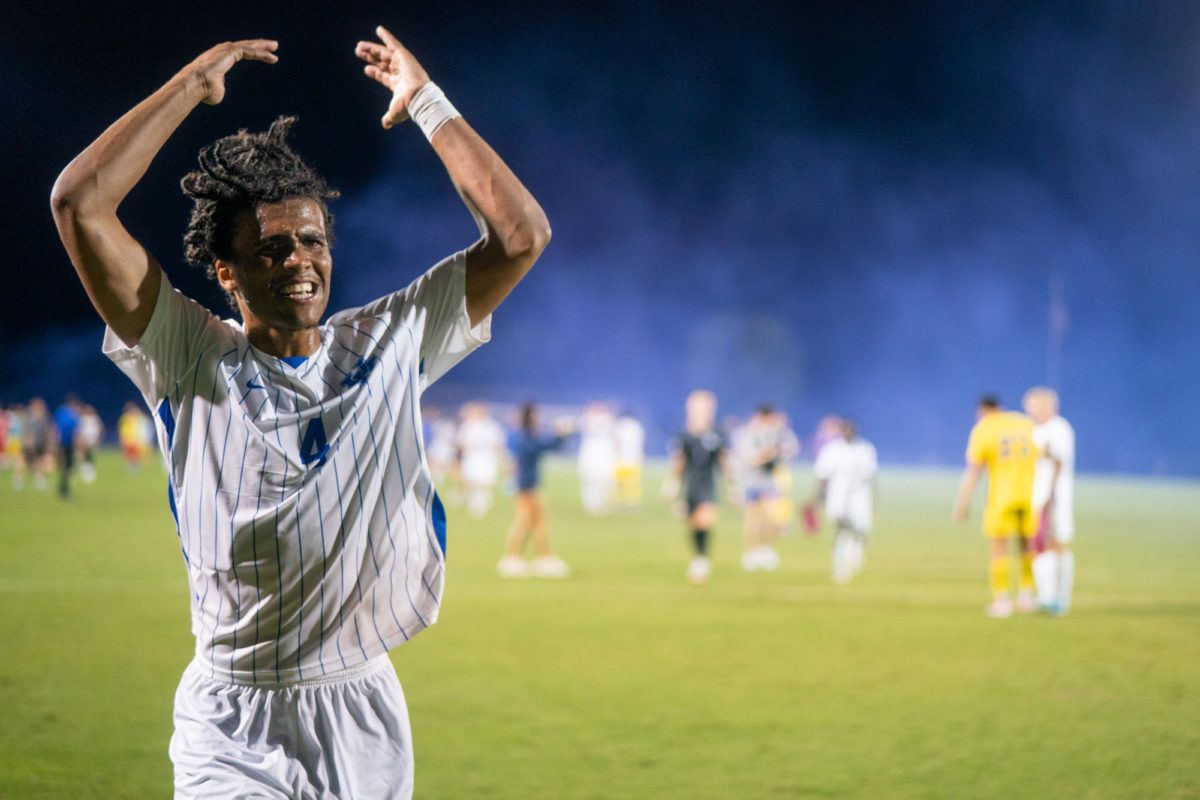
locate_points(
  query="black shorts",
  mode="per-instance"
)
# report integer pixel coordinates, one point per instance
(697, 499)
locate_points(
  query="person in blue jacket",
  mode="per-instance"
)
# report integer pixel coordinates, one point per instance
(527, 446)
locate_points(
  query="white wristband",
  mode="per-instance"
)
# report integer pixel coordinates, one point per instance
(430, 109)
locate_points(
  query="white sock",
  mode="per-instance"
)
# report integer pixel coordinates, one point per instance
(1066, 578)
(842, 555)
(1045, 577)
(857, 553)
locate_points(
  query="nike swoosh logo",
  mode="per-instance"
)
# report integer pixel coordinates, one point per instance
(253, 385)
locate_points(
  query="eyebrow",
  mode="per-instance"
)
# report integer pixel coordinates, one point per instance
(307, 230)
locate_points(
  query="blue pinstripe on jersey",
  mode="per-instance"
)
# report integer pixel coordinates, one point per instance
(233, 558)
(300, 547)
(336, 573)
(420, 444)
(278, 560)
(220, 477)
(368, 539)
(387, 515)
(399, 459)
(163, 412)
(342, 538)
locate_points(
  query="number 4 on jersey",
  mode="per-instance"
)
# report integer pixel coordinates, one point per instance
(314, 447)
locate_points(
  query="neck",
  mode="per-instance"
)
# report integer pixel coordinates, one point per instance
(302, 342)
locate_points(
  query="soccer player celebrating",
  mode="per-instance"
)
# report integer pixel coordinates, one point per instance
(1053, 500)
(313, 539)
(1002, 443)
(700, 452)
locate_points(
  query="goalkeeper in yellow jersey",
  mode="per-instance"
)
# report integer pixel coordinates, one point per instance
(1002, 443)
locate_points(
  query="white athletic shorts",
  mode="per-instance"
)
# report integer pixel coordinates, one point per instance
(1062, 519)
(852, 509)
(480, 470)
(340, 736)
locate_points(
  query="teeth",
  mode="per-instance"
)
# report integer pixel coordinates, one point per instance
(298, 290)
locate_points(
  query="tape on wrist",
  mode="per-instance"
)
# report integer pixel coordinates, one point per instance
(430, 109)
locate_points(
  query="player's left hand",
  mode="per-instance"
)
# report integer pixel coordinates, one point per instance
(390, 63)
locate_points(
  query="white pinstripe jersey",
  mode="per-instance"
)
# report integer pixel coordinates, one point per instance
(310, 529)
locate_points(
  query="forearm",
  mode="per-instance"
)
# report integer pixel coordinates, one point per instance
(500, 203)
(513, 228)
(100, 177)
(120, 277)
(966, 489)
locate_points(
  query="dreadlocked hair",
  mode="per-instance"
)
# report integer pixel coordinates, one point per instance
(238, 173)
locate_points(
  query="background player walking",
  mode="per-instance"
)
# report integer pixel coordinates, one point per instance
(1002, 443)
(312, 536)
(530, 522)
(700, 453)
(1053, 500)
(845, 472)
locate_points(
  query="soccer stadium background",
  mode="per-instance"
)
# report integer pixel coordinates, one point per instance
(875, 209)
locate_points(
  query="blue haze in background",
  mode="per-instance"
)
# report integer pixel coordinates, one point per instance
(857, 210)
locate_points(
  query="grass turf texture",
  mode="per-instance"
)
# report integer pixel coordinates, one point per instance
(626, 682)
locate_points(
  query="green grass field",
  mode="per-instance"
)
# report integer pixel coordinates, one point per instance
(626, 682)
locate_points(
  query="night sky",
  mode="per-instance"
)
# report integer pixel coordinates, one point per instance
(837, 207)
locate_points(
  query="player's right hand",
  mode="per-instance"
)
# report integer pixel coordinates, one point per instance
(210, 67)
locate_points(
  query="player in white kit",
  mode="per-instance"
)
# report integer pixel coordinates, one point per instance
(441, 451)
(88, 437)
(312, 538)
(481, 448)
(845, 470)
(597, 459)
(630, 436)
(1053, 500)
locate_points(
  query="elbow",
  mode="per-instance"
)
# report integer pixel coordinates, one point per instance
(527, 241)
(539, 237)
(66, 201)
(62, 202)
(73, 195)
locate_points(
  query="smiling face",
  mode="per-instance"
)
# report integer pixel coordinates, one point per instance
(279, 271)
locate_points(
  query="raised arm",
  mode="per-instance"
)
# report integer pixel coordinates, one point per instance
(513, 227)
(121, 278)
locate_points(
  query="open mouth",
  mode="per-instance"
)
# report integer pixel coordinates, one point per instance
(300, 291)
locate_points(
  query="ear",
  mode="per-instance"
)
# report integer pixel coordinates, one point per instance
(226, 276)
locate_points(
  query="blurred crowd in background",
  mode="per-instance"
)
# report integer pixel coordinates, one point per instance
(36, 443)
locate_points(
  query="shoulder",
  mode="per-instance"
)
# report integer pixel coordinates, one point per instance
(1019, 421)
